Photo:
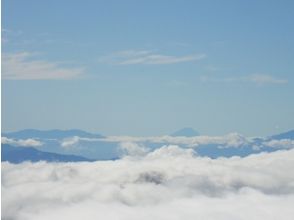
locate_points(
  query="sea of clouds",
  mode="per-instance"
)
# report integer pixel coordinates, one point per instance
(166, 184)
(229, 140)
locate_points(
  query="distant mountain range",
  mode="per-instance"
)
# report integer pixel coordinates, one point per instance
(53, 140)
(21, 154)
(77, 145)
(50, 134)
(285, 135)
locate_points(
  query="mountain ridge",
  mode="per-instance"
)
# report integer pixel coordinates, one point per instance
(283, 135)
(53, 133)
(14, 154)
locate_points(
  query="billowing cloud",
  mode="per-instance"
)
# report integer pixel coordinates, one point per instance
(133, 149)
(168, 183)
(129, 57)
(21, 142)
(24, 66)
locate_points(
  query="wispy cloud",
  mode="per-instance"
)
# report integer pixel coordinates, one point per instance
(280, 144)
(259, 79)
(22, 142)
(131, 57)
(7, 34)
(24, 66)
(266, 79)
(229, 140)
(73, 141)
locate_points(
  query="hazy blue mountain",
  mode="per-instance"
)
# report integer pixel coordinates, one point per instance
(186, 132)
(215, 151)
(52, 140)
(95, 149)
(20, 154)
(50, 134)
(285, 135)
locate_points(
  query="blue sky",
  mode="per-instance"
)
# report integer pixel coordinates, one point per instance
(148, 67)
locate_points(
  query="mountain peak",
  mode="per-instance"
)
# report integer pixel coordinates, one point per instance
(186, 132)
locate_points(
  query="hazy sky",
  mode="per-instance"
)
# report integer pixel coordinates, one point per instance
(148, 67)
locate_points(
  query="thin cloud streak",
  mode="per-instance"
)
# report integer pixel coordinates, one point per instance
(132, 57)
(22, 142)
(266, 79)
(23, 66)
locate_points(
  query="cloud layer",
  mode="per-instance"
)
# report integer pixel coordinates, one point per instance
(168, 183)
(229, 140)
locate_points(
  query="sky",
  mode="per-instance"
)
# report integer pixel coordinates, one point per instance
(148, 67)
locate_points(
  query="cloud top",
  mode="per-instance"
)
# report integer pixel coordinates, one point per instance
(168, 183)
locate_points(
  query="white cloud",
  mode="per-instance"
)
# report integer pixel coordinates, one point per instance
(280, 144)
(130, 57)
(21, 142)
(266, 79)
(168, 151)
(133, 149)
(23, 66)
(169, 183)
(69, 142)
(229, 140)
(75, 140)
(139, 145)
